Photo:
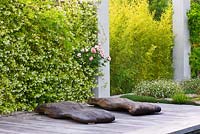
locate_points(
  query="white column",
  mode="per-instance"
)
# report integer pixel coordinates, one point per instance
(103, 89)
(182, 45)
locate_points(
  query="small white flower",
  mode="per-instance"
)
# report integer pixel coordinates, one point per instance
(96, 46)
(79, 55)
(83, 50)
(86, 50)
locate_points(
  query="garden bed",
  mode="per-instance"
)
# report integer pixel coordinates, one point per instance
(189, 101)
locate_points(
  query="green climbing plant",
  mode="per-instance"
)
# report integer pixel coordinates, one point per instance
(38, 41)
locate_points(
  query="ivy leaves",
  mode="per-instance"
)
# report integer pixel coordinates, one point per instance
(37, 41)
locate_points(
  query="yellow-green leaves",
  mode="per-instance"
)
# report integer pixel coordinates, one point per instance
(37, 42)
(140, 45)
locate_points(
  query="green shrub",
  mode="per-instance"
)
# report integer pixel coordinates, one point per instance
(157, 88)
(158, 7)
(194, 26)
(191, 86)
(116, 91)
(180, 98)
(196, 1)
(140, 46)
(37, 44)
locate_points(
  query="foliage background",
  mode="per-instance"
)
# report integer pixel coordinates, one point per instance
(194, 26)
(141, 47)
(37, 60)
(157, 7)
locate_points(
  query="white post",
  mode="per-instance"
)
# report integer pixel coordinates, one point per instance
(103, 89)
(182, 45)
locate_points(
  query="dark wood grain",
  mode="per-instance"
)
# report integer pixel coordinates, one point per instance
(75, 111)
(134, 108)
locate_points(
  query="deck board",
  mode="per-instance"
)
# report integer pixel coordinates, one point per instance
(171, 119)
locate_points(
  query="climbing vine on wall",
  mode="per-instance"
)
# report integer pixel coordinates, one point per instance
(38, 40)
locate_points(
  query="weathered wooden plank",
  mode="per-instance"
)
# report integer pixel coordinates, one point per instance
(79, 127)
(3, 131)
(25, 129)
(33, 124)
(71, 128)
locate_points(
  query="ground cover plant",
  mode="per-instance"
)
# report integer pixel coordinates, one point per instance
(165, 91)
(138, 44)
(41, 45)
(157, 88)
(177, 99)
(191, 86)
(145, 99)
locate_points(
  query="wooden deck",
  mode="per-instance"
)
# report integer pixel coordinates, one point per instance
(172, 119)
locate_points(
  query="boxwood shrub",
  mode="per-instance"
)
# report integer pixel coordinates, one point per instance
(37, 44)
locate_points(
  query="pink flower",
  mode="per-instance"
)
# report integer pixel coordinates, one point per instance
(93, 50)
(98, 48)
(91, 58)
(109, 58)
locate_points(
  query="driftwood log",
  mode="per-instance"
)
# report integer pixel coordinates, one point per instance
(121, 104)
(78, 112)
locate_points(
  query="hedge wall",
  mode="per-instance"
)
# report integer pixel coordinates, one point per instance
(194, 26)
(38, 45)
